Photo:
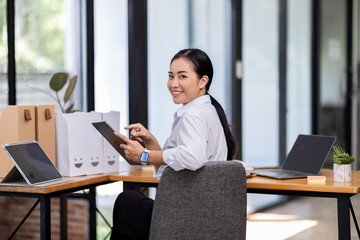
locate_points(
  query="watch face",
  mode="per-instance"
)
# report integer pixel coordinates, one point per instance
(144, 157)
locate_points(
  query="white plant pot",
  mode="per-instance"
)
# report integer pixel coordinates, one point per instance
(342, 172)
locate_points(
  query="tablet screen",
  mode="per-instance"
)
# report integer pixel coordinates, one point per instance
(108, 133)
(32, 162)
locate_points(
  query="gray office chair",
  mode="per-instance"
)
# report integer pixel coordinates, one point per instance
(209, 203)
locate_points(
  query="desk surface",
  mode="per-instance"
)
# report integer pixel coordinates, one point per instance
(300, 184)
(133, 174)
(143, 174)
(75, 182)
(146, 175)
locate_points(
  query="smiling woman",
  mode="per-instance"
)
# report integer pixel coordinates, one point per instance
(184, 83)
(200, 134)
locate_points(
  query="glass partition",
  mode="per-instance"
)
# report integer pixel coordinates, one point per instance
(111, 85)
(163, 30)
(357, 165)
(333, 86)
(298, 70)
(260, 101)
(3, 57)
(198, 24)
(260, 83)
(111, 58)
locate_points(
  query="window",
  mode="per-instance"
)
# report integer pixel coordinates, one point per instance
(3, 56)
(44, 40)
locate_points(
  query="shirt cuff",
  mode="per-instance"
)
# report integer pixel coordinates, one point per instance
(159, 172)
(170, 159)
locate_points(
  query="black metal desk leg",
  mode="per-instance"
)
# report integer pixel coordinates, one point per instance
(92, 212)
(343, 203)
(354, 218)
(63, 217)
(45, 218)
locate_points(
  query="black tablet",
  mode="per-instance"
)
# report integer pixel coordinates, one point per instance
(109, 134)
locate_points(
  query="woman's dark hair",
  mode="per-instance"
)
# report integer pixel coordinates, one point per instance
(203, 66)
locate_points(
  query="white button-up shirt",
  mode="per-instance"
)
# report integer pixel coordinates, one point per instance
(197, 137)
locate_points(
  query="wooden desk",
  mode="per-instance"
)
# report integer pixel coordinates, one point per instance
(43, 194)
(143, 176)
(298, 187)
(136, 174)
(136, 177)
(300, 184)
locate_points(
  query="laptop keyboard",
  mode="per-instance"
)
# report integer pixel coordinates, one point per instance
(282, 172)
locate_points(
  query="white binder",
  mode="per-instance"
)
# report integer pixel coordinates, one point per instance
(93, 143)
(70, 144)
(110, 155)
(80, 149)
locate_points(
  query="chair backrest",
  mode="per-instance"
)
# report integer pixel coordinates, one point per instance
(209, 203)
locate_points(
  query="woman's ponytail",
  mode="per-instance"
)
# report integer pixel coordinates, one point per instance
(230, 140)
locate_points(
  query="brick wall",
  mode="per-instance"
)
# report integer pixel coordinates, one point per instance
(12, 211)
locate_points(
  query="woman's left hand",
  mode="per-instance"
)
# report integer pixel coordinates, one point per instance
(132, 149)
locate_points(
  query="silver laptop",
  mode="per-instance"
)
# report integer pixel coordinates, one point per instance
(32, 166)
(306, 158)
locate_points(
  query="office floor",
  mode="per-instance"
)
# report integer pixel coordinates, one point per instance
(299, 218)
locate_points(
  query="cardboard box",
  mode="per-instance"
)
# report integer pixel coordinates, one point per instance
(17, 124)
(45, 129)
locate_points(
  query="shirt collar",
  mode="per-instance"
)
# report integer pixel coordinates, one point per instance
(196, 102)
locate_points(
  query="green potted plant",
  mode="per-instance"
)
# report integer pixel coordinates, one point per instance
(57, 82)
(342, 164)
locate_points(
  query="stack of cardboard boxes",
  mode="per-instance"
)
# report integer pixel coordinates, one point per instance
(70, 140)
(25, 123)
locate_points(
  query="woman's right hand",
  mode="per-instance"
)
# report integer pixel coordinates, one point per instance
(140, 133)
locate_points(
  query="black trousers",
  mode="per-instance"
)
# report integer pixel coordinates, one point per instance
(132, 216)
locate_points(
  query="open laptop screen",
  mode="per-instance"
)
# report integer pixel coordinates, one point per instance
(308, 153)
(32, 162)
